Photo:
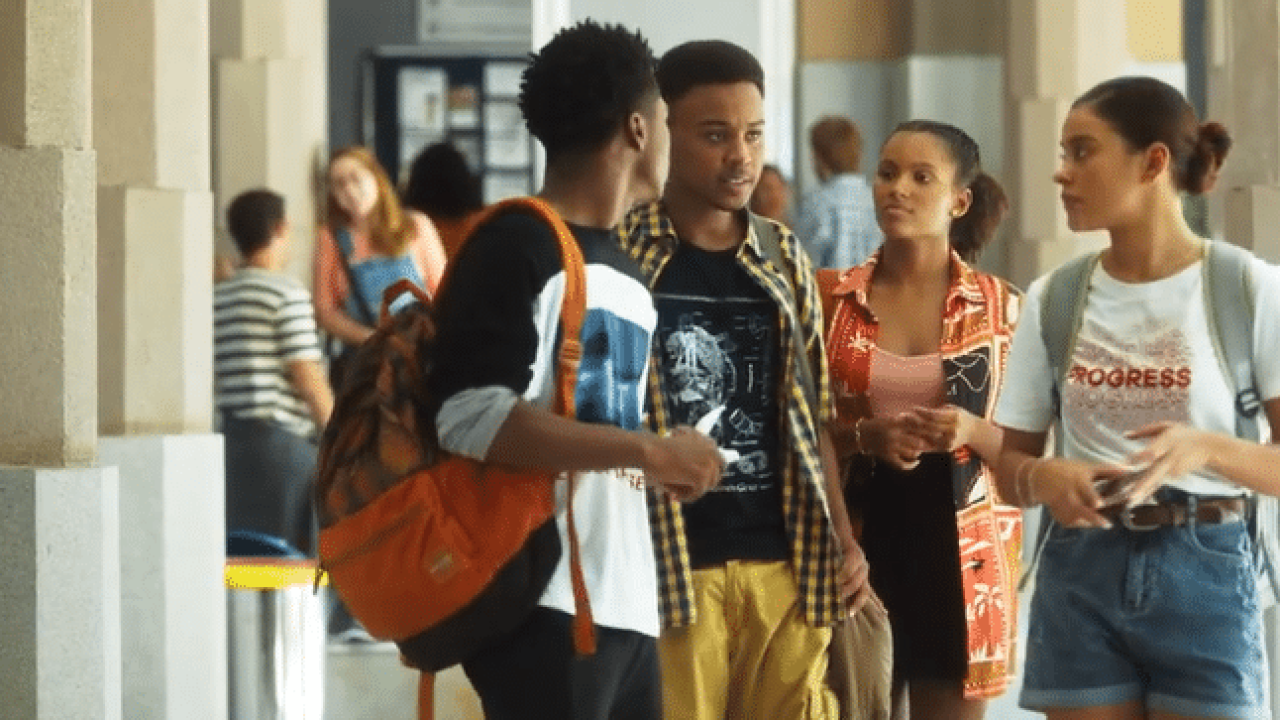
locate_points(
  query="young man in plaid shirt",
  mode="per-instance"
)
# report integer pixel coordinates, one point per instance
(751, 576)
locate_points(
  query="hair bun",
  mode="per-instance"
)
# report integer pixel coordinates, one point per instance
(1214, 138)
(1213, 142)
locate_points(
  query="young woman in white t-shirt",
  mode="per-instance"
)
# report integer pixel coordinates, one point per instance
(1161, 621)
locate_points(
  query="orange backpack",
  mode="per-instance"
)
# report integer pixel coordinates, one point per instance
(440, 553)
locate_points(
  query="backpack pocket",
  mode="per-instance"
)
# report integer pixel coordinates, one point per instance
(422, 552)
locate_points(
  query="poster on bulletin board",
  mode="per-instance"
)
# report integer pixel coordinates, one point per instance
(413, 98)
(422, 99)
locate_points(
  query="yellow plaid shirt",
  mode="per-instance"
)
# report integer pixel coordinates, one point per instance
(648, 235)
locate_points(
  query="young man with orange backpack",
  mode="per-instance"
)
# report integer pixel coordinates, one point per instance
(591, 98)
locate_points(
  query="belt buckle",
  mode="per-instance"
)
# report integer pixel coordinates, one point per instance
(1126, 519)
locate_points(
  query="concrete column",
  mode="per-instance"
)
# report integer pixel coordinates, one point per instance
(172, 600)
(954, 72)
(155, 370)
(151, 119)
(1244, 94)
(547, 17)
(46, 224)
(1056, 50)
(59, 562)
(777, 53)
(60, 590)
(1243, 78)
(270, 104)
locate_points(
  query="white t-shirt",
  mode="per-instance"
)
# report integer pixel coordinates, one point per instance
(1143, 355)
(500, 317)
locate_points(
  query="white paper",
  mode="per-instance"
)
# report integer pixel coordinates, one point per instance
(503, 79)
(507, 141)
(422, 99)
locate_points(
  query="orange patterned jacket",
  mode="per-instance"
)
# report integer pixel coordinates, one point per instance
(978, 322)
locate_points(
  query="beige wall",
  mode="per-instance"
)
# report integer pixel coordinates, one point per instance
(1155, 30)
(880, 30)
(151, 88)
(850, 30)
(269, 111)
(151, 99)
(46, 227)
(967, 27)
(44, 84)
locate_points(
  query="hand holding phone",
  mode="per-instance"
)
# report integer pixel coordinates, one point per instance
(1116, 489)
(708, 423)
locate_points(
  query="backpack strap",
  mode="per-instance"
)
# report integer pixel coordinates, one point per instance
(342, 237)
(573, 306)
(573, 310)
(770, 242)
(1230, 312)
(1061, 311)
(1228, 287)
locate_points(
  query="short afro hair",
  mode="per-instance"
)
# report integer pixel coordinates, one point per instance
(252, 218)
(579, 89)
(706, 62)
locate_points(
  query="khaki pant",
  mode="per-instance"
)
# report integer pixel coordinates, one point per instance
(750, 655)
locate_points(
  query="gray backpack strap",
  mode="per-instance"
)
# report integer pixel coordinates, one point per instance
(1228, 289)
(771, 246)
(1061, 311)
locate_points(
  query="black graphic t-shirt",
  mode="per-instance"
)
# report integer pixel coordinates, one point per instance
(717, 349)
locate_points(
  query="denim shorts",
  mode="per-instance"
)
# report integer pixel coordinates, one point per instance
(1169, 618)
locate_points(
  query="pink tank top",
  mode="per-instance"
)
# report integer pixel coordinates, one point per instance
(898, 384)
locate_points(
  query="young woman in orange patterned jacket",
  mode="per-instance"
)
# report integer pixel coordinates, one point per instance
(917, 341)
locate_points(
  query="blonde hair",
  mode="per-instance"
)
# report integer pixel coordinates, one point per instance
(390, 230)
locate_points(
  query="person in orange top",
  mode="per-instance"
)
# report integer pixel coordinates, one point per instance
(442, 186)
(917, 343)
(380, 241)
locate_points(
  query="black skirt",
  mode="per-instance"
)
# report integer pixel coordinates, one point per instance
(910, 540)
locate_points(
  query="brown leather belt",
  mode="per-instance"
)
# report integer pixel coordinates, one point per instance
(1210, 511)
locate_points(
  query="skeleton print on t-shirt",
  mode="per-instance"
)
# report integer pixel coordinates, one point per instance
(721, 354)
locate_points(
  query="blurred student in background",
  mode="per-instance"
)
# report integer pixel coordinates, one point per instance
(442, 186)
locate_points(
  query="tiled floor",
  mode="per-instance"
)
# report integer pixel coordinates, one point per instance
(367, 682)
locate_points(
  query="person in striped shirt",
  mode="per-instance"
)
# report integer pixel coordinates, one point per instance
(270, 389)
